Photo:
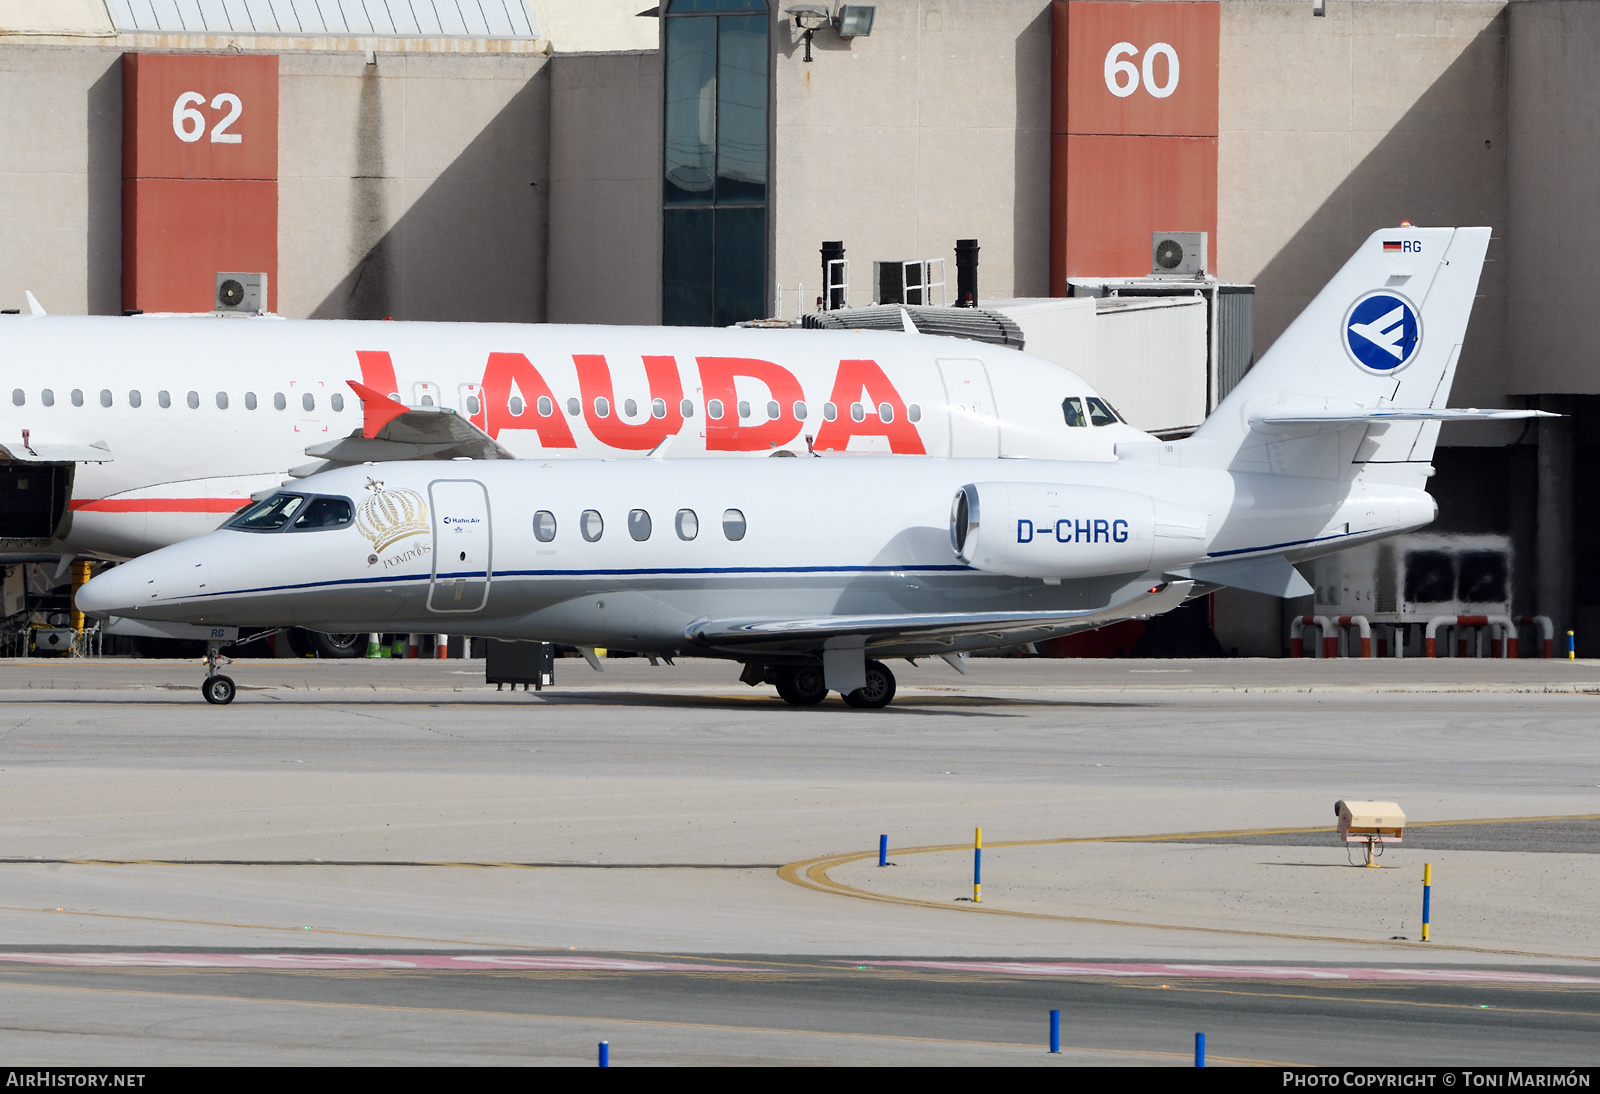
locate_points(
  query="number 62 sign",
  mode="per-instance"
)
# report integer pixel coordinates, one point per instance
(190, 124)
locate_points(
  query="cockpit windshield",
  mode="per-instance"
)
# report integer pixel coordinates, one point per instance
(1100, 412)
(1072, 409)
(297, 513)
(269, 515)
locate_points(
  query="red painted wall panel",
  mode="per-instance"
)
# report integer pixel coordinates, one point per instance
(179, 232)
(200, 176)
(1151, 99)
(1134, 127)
(1124, 188)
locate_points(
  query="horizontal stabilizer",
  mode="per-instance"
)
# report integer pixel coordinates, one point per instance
(883, 630)
(1272, 575)
(1285, 415)
(393, 431)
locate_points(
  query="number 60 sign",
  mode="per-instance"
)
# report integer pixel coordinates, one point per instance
(190, 125)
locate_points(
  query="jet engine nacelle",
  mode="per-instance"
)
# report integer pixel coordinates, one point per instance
(1026, 529)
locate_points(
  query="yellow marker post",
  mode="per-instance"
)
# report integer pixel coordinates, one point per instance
(977, 866)
(1427, 895)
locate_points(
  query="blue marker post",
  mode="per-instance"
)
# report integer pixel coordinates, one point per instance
(883, 850)
(977, 867)
(1055, 1032)
(605, 1053)
(1199, 1050)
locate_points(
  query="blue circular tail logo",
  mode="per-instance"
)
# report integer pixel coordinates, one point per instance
(1383, 332)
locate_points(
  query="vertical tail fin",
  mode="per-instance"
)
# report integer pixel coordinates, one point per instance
(1386, 332)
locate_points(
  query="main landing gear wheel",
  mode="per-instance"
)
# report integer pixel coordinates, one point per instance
(218, 689)
(802, 685)
(876, 693)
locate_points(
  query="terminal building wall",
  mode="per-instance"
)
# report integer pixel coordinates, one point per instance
(935, 128)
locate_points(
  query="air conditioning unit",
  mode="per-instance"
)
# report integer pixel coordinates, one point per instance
(1177, 254)
(240, 294)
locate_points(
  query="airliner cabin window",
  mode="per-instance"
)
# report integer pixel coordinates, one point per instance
(829, 412)
(630, 408)
(658, 408)
(885, 413)
(193, 400)
(574, 408)
(105, 396)
(77, 396)
(1072, 410)
(47, 397)
(686, 408)
(249, 400)
(324, 513)
(222, 400)
(515, 406)
(714, 410)
(733, 524)
(858, 413)
(799, 412)
(914, 412)
(591, 526)
(164, 398)
(309, 401)
(602, 407)
(279, 402)
(336, 401)
(639, 525)
(473, 406)
(269, 515)
(18, 397)
(773, 411)
(1100, 412)
(546, 407)
(687, 524)
(135, 400)
(744, 408)
(544, 526)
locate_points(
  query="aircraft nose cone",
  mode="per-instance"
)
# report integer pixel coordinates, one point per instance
(117, 591)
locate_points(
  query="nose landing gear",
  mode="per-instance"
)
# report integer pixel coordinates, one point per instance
(217, 689)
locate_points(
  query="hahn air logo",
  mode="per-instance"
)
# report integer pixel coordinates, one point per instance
(1383, 332)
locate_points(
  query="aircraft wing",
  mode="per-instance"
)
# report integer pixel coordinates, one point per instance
(886, 630)
(393, 431)
(1285, 415)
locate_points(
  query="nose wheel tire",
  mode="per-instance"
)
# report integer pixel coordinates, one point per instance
(877, 692)
(218, 690)
(802, 685)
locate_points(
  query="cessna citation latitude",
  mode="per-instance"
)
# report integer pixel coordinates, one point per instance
(121, 435)
(812, 571)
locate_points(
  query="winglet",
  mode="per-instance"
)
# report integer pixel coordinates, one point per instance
(378, 409)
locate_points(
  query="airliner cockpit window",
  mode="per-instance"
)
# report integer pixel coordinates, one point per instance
(269, 515)
(1072, 410)
(1100, 412)
(324, 513)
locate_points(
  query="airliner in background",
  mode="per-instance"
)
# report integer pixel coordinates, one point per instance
(122, 435)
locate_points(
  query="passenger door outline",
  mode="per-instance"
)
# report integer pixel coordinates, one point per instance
(461, 525)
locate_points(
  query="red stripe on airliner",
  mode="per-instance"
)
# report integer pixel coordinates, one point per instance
(159, 505)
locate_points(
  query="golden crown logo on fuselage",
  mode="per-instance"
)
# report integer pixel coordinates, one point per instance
(388, 516)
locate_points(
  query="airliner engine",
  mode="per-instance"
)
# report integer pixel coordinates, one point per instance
(1026, 529)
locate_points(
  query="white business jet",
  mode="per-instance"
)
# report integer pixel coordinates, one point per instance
(812, 571)
(121, 435)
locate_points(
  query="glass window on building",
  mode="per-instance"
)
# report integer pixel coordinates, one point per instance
(714, 197)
